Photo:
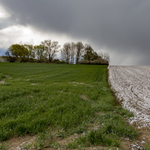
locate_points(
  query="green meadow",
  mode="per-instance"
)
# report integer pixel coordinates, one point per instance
(70, 99)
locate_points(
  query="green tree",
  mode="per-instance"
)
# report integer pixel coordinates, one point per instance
(18, 51)
(79, 51)
(40, 52)
(31, 52)
(66, 52)
(89, 54)
(51, 48)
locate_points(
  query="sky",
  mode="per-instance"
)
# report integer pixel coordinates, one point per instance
(120, 28)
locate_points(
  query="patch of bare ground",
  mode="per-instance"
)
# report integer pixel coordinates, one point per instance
(54, 148)
(15, 143)
(67, 140)
(98, 113)
(64, 92)
(33, 83)
(93, 127)
(22, 143)
(139, 143)
(2, 82)
(80, 83)
(99, 148)
(87, 148)
(84, 97)
(29, 96)
(7, 76)
(76, 82)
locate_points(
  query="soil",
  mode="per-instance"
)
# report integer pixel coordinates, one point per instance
(16, 142)
(84, 97)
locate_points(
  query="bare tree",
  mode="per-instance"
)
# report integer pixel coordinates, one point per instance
(66, 52)
(52, 48)
(107, 57)
(100, 53)
(31, 52)
(73, 48)
(7, 56)
(7, 53)
(39, 51)
(79, 51)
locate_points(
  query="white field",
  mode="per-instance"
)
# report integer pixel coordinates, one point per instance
(131, 85)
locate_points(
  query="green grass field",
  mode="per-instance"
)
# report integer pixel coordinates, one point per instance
(73, 99)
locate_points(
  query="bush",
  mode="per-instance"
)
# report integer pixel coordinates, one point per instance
(9, 58)
(57, 61)
(98, 61)
(31, 60)
(24, 60)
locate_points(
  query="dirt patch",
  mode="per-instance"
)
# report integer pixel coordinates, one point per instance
(33, 83)
(131, 87)
(140, 142)
(30, 96)
(67, 140)
(144, 135)
(84, 97)
(16, 143)
(2, 82)
(125, 144)
(64, 92)
(93, 127)
(76, 82)
(98, 113)
(7, 76)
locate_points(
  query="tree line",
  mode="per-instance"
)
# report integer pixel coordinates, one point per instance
(47, 50)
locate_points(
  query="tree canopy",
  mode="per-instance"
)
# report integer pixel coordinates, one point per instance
(89, 53)
(47, 51)
(18, 50)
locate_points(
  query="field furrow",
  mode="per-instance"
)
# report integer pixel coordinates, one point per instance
(131, 85)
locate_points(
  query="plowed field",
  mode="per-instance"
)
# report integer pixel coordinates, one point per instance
(131, 85)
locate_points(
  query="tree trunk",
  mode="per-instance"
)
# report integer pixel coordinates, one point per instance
(49, 59)
(77, 60)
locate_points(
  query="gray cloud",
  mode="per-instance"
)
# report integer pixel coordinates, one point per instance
(121, 27)
(8, 21)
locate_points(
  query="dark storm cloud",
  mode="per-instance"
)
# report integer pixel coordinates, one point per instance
(121, 27)
(8, 21)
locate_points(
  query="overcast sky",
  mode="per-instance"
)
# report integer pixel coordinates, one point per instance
(119, 27)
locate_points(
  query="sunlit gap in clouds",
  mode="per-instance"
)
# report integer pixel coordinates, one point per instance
(28, 35)
(3, 13)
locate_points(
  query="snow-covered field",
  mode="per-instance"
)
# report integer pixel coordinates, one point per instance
(131, 85)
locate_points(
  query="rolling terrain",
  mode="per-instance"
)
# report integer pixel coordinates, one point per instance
(51, 106)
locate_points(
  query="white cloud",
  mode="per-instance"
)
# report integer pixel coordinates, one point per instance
(28, 35)
(3, 13)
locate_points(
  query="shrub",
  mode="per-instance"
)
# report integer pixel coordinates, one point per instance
(9, 58)
(98, 61)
